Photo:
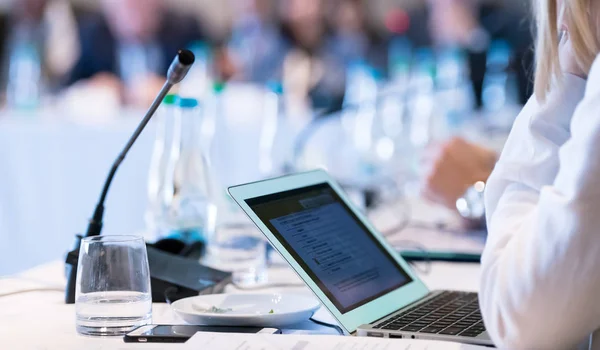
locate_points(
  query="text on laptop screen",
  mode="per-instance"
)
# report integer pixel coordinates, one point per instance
(331, 244)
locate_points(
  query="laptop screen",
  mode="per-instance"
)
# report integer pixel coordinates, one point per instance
(331, 244)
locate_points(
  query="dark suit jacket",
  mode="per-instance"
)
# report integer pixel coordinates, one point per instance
(501, 22)
(7, 23)
(99, 46)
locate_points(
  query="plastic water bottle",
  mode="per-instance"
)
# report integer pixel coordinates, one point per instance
(500, 95)
(393, 100)
(455, 94)
(361, 84)
(161, 191)
(192, 214)
(237, 246)
(422, 98)
(399, 56)
(24, 77)
(421, 115)
(272, 111)
(358, 117)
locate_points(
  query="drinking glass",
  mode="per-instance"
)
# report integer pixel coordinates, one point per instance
(239, 247)
(113, 285)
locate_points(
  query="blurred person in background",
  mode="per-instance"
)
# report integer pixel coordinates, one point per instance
(310, 75)
(472, 25)
(323, 38)
(40, 33)
(129, 47)
(256, 47)
(353, 38)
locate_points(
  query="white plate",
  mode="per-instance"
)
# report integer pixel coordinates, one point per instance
(246, 309)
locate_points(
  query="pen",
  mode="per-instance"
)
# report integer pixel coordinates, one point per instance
(412, 255)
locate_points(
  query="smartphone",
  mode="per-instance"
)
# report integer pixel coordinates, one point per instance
(181, 333)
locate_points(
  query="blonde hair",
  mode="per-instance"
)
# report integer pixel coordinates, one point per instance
(577, 15)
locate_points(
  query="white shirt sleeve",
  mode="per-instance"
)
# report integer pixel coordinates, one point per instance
(540, 285)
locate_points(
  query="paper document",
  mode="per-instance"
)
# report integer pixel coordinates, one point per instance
(305, 342)
(417, 238)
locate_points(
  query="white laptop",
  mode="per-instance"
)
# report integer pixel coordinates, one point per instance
(350, 267)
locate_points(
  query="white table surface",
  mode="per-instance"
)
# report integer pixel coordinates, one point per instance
(41, 320)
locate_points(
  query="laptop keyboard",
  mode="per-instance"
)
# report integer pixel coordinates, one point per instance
(448, 313)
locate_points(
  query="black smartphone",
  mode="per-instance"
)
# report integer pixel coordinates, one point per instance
(181, 333)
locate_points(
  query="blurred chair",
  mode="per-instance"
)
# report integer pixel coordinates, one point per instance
(130, 46)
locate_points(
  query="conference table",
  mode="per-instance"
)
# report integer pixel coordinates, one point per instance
(40, 319)
(54, 169)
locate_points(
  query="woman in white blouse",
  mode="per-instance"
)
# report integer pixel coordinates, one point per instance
(540, 286)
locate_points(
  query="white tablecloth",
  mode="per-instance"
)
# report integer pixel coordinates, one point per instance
(40, 320)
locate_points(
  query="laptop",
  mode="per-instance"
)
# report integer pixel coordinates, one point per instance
(362, 281)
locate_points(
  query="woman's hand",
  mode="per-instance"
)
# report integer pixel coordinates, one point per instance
(456, 165)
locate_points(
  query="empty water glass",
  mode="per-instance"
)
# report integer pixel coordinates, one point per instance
(113, 285)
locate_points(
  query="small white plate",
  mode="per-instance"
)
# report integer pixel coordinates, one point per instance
(258, 310)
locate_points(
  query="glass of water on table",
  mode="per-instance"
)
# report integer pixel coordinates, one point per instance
(238, 246)
(113, 285)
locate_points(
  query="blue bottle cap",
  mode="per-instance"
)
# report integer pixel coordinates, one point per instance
(187, 102)
(275, 86)
(200, 48)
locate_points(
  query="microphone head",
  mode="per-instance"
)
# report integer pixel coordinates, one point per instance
(180, 66)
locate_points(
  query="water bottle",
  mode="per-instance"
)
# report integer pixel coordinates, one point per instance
(192, 213)
(399, 56)
(160, 191)
(358, 116)
(272, 111)
(393, 102)
(361, 84)
(500, 95)
(422, 99)
(24, 77)
(455, 93)
(420, 117)
(237, 246)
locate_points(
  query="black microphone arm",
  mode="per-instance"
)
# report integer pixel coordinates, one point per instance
(177, 71)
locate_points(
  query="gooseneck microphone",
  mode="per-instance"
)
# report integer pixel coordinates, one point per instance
(177, 71)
